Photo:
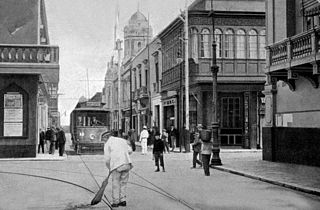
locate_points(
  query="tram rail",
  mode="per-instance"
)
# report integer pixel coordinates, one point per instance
(105, 200)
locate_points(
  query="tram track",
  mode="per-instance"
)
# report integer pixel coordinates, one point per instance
(105, 200)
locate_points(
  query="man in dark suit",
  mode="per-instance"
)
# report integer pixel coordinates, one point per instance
(173, 133)
(41, 140)
(61, 140)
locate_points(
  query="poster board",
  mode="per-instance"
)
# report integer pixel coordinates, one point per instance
(13, 114)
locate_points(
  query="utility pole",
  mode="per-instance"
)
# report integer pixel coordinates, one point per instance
(186, 60)
(131, 97)
(88, 91)
(215, 124)
(118, 48)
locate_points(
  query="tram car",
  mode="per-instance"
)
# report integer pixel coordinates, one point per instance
(87, 127)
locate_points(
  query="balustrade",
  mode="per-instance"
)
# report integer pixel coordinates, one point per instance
(29, 54)
(296, 47)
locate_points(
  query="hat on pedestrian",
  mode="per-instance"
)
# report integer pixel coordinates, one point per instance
(144, 127)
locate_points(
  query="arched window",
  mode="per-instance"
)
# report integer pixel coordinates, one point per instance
(194, 43)
(262, 44)
(228, 44)
(253, 44)
(204, 41)
(218, 37)
(241, 44)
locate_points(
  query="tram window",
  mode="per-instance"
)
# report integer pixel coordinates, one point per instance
(79, 121)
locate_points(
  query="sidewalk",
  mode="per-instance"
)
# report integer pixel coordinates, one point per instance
(249, 163)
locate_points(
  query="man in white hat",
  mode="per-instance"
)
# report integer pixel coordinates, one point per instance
(143, 139)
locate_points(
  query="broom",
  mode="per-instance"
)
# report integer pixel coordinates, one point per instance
(97, 198)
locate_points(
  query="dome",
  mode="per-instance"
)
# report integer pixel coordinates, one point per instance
(137, 17)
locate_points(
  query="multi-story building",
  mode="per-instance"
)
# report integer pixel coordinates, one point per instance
(291, 93)
(137, 35)
(29, 76)
(240, 38)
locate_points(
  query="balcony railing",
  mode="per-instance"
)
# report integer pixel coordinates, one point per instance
(294, 48)
(29, 54)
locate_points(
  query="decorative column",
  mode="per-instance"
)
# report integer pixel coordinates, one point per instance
(270, 91)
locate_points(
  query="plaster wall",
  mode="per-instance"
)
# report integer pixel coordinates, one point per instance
(19, 21)
(301, 105)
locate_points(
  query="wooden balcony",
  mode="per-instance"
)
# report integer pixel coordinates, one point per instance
(297, 55)
(31, 54)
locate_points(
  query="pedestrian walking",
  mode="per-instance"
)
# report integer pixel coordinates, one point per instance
(116, 153)
(41, 140)
(132, 139)
(206, 150)
(196, 146)
(48, 137)
(144, 140)
(164, 138)
(61, 140)
(53, 140)
(158, 149)
(173, 133)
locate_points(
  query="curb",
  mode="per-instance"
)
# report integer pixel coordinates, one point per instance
(270, 181)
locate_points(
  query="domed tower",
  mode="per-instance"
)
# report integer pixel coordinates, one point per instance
(137, 34)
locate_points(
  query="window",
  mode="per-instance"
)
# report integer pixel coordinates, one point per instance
(218, 38)
(140, 79)
(194, 43)
(228, 44)
(204, 48)
(241, 44)
(253, 44)
(262, 44)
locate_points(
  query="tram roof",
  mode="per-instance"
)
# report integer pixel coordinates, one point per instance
(91, 109)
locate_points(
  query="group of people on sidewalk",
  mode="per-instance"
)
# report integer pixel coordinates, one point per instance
(53, 138)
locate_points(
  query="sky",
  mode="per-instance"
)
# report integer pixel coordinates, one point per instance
(84, 31)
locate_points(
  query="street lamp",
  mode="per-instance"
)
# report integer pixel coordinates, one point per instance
(215, 124)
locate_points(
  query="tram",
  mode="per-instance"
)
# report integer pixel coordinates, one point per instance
(87, 126)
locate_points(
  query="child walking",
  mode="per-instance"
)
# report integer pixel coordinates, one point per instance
(158, 149)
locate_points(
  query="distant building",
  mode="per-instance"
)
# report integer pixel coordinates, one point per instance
(29, 76)
(137, 34)
(292, 95)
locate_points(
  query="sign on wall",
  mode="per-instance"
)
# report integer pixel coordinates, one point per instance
(13, 114)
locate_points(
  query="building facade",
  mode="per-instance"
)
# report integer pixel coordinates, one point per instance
(29, 76)
(240, 37)
(291, 93)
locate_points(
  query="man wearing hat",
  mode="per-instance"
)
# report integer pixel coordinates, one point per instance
(117, 153)
(144, 139)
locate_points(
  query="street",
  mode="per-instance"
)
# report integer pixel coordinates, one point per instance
(71, 184)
